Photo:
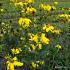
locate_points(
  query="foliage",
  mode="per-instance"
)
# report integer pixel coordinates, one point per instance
(34, 35)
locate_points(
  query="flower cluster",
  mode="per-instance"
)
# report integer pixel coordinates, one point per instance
(50, 28)
(47, 7)
(67, 16)
(29, 1)
(24, 22)
(16, 51)
(39, 39)
(37, 64)
(11, 62)
(30, 10)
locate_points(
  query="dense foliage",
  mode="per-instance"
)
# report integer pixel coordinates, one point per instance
(34, 35)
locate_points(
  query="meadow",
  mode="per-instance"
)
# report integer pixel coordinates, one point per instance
(34, 34)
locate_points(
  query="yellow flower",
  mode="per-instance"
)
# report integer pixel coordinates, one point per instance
(44, 39)
(64, 15)
(24, 22)
(22, 38)
(67, 16)
(44, 27)
(13, 62)
(33, 65)
(42, 62)
(33, 47)
(30, 1)
(48, 28)
(40, 46)
(58, 46)
(15, 58)
(31, 10)
(8, 64)
(56, 31)
(17, 63)
(53, 7)
(19, 4)
(16, 51)
(33, 37)
(47, 7)
(7, 56)
(55, 3)
(11, 66)
(36, 63)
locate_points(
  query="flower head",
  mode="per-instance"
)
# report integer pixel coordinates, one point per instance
(58, 46)
(19, 4)
(40, 46)
(24, 22)
(13, 62)
(30, 1)
(44, 39)
(47, 7)
(34, 65)
(56, 31)
(33, 37)
(16, 51)
(30, 10)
